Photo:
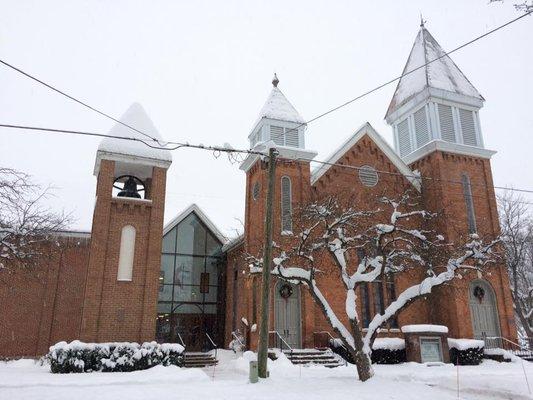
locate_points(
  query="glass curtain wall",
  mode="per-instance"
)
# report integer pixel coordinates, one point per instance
(190, 292)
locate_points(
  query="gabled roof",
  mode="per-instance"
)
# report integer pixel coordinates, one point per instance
(277, 107)
(193, 208)
(233, 243)
(366, 129)
(441, 74)
(136, 117)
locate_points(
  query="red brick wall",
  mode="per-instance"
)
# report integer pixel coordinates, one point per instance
(449, 305)
(443, 193)
(345, 184)
(41, 304)
(115, 310)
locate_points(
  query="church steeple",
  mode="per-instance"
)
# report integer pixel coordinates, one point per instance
(278, 121)
(433, 101)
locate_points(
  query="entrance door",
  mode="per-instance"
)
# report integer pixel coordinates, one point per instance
(483, 310)
(287, 311)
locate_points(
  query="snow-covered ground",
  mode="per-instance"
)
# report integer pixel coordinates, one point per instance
(24, 379)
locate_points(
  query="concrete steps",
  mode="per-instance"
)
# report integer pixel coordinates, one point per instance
(199, 360)
(324, 357)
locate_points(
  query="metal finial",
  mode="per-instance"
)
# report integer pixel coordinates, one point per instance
(275, 80)
(422, 22)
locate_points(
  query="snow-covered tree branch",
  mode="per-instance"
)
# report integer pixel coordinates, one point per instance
(366, 246)
(24, 222)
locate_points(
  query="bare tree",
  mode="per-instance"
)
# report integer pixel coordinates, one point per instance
(526, 6)
(517, 238)
(25, 223)
(363, 251)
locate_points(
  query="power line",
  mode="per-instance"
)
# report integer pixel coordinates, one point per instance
(221, 149)
(231, 150)
(49, 86)
(77, 101)
(413, 176)
(411, 71)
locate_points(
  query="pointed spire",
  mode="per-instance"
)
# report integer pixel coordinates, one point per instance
(275, 80)
(429, 67)
(422, 22)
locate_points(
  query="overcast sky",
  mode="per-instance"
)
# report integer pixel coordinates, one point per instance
(202, 70)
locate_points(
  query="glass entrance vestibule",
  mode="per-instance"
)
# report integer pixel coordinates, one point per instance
(190, 306)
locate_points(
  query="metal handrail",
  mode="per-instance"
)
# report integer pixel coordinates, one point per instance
(238, 340)
(521, 347)
(342, 344)
(282, 341)
(181, 340)
(215, 347)
(331, 337)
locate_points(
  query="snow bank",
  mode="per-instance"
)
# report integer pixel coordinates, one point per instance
(501, 352)
(388, 344)
(424, 328)
(465, 344)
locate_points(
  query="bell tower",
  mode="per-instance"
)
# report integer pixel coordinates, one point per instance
(125, 253)
(434, 114)
(278, 125)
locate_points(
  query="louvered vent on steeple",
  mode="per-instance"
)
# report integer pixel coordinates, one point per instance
(278, 121)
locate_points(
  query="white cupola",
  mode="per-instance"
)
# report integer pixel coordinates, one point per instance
(278, 121)
(278, 125)
(435, 105)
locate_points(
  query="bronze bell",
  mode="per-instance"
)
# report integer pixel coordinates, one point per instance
(129, 189)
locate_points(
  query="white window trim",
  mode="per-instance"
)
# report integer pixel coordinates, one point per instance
(128, 237)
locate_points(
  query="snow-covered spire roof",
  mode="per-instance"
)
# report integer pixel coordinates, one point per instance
(442, 74)
(278, 107)
(137, 118)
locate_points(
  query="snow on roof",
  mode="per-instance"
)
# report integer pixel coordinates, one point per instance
(278, 107)
(440, 74)
(136, 117)
(203, 217)
(369, 130)
(418, 328)
(232, 243)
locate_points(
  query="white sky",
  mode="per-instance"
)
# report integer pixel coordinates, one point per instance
(202, 70)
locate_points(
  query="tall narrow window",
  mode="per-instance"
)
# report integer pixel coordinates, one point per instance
(126, 255)
(391, 294)
(365, 305)
(469, 202)
(286, 204)
(379, 304)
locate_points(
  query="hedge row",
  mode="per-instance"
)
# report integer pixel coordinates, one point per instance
(77, 356)
(462, 352)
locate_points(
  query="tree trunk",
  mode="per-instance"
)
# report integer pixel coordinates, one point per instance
(361, 359)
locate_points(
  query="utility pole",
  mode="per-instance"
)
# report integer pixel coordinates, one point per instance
(262, 355)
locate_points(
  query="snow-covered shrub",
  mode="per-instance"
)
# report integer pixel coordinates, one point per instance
(466, 351)
(384, 351)
(388, 351)
(111, 357)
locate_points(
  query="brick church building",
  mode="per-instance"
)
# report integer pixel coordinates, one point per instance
(132, 278)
